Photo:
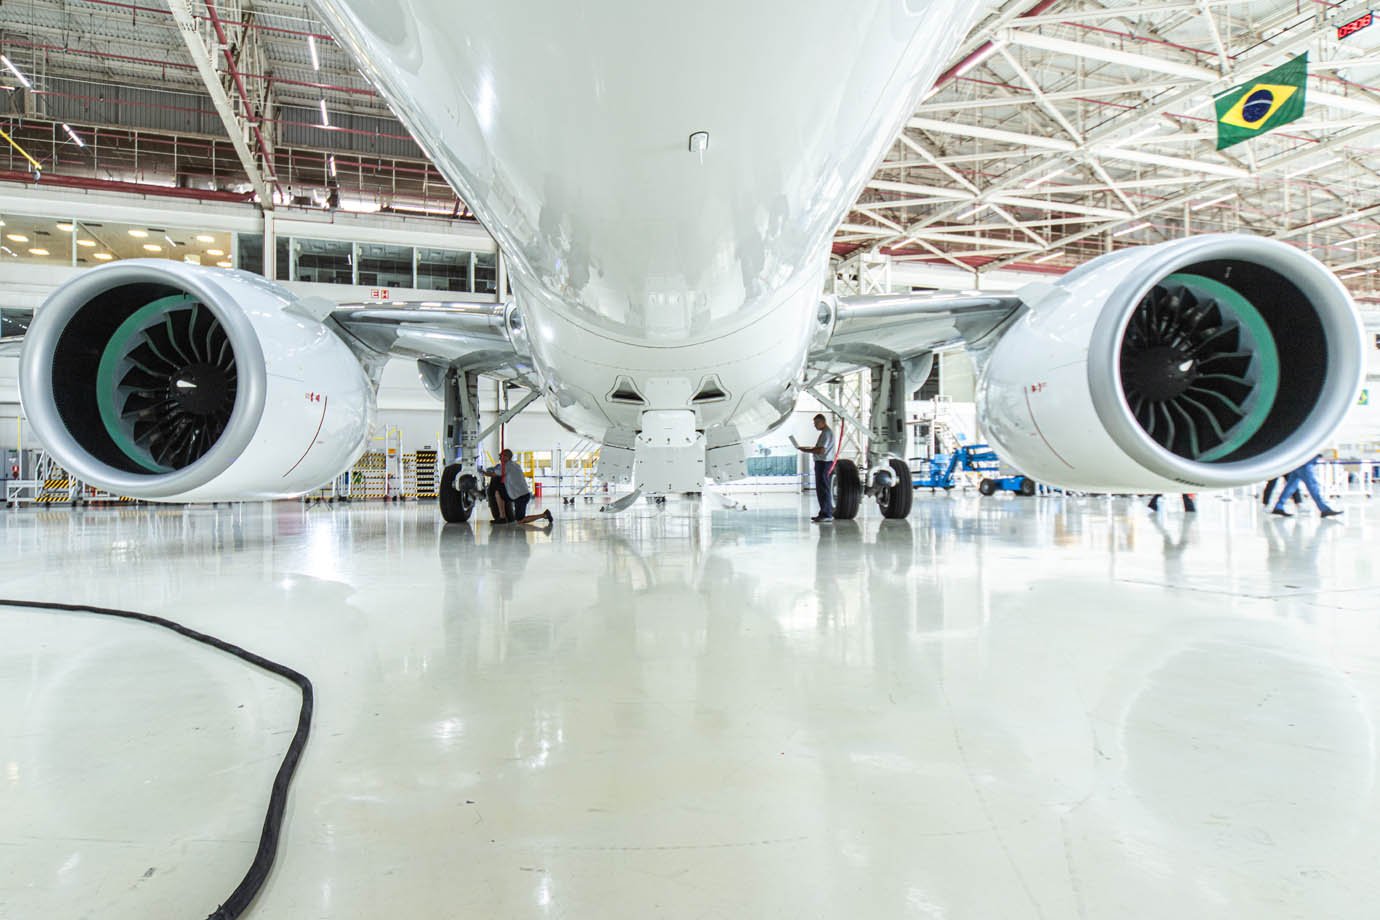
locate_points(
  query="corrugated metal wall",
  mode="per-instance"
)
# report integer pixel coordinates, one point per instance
(386, 137)
(81, 102)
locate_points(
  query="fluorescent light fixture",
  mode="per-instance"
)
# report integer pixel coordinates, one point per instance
(1312, 166)
(225, 263)
(38, 251)
(9, 65)
(6, 249)
(325, 118)
(87, 243)
(215, 252)
(1354, 239)
(330, 163)
(103, 256)
(138, 234)
(16, 237)
(1215, 201)
(975, 209)
(1048, 257)
(170, 241)
(311, 46)
(1132, 229)
(73, 135)
(205, 238)
(152, 247)
(66, 227)
(1047, 177)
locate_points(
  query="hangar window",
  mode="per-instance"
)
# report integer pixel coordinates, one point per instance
(322, 261)
(485, 273)
(444, 270)
(385, 266)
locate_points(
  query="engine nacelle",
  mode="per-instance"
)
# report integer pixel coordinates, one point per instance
(1210, 362)
(168, 381)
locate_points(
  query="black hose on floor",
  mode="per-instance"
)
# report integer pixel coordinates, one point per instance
(243, 895)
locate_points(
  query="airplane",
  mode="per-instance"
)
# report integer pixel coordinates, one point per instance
(665, 180)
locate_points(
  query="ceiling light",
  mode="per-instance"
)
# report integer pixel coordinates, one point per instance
(171, 243)
(1132, 229)
(205, 238)
(73, 135)
(38, 251)
(225, 263)
(66, 227)
(1208, 204)
(1354, 239)
(330, 163)
(15, 70)
(86, 243)
(16, 237)
(325, 118)
(139, 234)
(971, 211)
(311, 46)
(152, 247)
(1047, 177)
(215, 252)
(1048, 257)
(103, 256)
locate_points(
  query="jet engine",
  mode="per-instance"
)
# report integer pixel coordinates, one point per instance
(1210, 362)
(162, 380)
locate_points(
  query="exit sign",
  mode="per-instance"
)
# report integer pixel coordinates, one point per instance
(378, 294)
(1356, 25)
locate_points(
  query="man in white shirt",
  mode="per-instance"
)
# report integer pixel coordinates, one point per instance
(824, 469)
(515, 487)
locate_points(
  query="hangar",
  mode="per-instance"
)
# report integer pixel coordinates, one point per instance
(688, 462)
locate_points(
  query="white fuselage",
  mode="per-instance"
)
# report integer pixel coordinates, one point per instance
(566, 127)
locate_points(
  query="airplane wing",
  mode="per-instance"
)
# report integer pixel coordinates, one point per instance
(860, 332)
(476, 337)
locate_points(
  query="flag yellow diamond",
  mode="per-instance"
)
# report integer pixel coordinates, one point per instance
(1257, 105)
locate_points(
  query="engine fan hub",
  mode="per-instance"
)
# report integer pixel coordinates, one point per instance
(1160, 373)
(200, 388)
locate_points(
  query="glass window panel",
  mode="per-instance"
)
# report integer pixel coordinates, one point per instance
(485, 272)
(249, 249)
(324, 261)
(385, 266)
(282, 258)
(443, 270)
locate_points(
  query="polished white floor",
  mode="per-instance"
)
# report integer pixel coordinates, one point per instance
(1001, 709)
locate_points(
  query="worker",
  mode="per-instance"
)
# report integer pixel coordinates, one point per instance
(823, 452)
(1305, 475)
(515, 488)
(1270, 490)
(498, 499)
(1189, 504)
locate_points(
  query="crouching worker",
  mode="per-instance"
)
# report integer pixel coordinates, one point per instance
(515, 488)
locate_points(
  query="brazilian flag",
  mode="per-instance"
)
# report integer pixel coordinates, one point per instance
(1251, 109)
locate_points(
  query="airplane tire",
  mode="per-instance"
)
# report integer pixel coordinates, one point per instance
(847, 487)
(456, 503)
(987, 487)
(895, 501)
(1027, 487)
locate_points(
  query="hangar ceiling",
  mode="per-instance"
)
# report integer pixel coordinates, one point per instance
(1062, 128)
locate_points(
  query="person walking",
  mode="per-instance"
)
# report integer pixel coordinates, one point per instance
(1189, 504)
(515, 488)
(1270, 490)
(823, 452)
(1305, 475)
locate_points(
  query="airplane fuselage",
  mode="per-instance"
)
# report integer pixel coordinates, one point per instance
(651, 268)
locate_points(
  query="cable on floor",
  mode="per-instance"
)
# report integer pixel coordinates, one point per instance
(243, 895)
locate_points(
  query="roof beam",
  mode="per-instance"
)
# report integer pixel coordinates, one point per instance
(204, 59)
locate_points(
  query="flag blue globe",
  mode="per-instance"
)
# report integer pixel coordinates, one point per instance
(1257, 106)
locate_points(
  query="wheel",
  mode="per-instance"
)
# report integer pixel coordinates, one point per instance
(987, 487)
(847, 486)
(456, 503)
(895, 500)
(1027, 486)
